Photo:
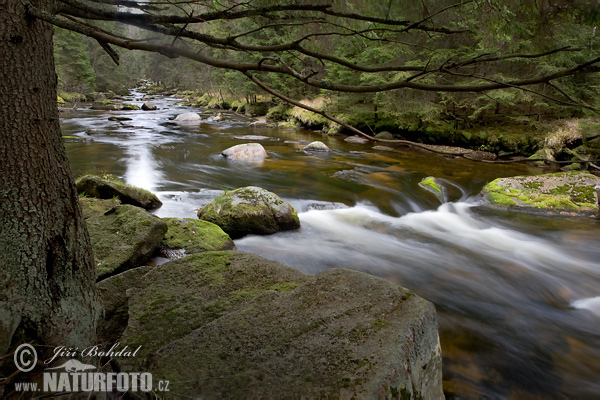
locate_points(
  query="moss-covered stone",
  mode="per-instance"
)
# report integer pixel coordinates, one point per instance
(180, 296)
(194, 236)
(432, 185)
(250, 210)
(275, 332)
(123, 236)
(95, 186)
(113, 293)
(563, 192)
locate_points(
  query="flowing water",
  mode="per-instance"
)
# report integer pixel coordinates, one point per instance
(517, 296)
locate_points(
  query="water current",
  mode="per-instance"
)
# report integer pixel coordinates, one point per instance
(517, 295)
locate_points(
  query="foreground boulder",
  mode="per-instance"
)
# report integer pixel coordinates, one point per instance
(571, 193)
(250, 210)
(235, 325)
(193, 236)
(245, 152)
(94, 186)
(123, 236)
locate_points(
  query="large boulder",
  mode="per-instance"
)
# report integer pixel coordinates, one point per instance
(123, 236)
(271, 331)
(94, 186)
(570, 193)
(113, 293)
(245, 152)
(193, 236)
(250, 210)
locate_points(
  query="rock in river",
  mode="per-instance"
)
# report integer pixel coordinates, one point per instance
(245, 152)
(316, 146)
(194, 236)
(188, 117)
(274, 332)
(250, 210)
(147, 106)
(570, 193)
(95, 186)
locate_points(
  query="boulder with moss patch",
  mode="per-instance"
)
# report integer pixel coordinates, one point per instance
(274, 331)
(250, 210)
(193, 236)
(433, 185)
(95, 186)
(570, 193)
(123, 236)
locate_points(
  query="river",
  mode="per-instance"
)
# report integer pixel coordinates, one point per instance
(517, 296)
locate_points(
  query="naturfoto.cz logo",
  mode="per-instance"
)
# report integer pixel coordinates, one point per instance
(76, 376)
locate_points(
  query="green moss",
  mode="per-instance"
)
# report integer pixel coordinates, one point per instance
(576, 195)
(195, 235)
(379, 324)
(431, 183)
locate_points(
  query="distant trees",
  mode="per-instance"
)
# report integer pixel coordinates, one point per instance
(462, 62)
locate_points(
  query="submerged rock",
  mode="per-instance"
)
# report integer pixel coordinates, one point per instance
(194, 236)
(108, 105)
(123, 236)
(273, 331)
(94, 186)
(250, 210)
(245, 152)
(571, 193)
(356, 139)
(316, 146)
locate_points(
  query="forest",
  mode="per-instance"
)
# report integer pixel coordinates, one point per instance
(478, 43)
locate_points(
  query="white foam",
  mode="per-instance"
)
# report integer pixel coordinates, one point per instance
(592, 304)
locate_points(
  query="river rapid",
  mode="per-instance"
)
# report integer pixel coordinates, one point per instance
(517, 296)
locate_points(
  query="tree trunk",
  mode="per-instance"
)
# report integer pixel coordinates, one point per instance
(47, 276)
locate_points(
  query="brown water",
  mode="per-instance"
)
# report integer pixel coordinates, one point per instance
(518, 296)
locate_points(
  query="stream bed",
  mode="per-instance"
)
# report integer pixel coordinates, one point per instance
(517, 295)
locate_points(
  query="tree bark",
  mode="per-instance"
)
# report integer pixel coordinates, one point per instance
(47, 276)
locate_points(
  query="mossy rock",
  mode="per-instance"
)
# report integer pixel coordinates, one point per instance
(123, 236)
(250, 210)
(113, 293)
(570, 193)
(274, 331)
(194, 236)
(180, 296)
(433, 186)
(95, 186)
